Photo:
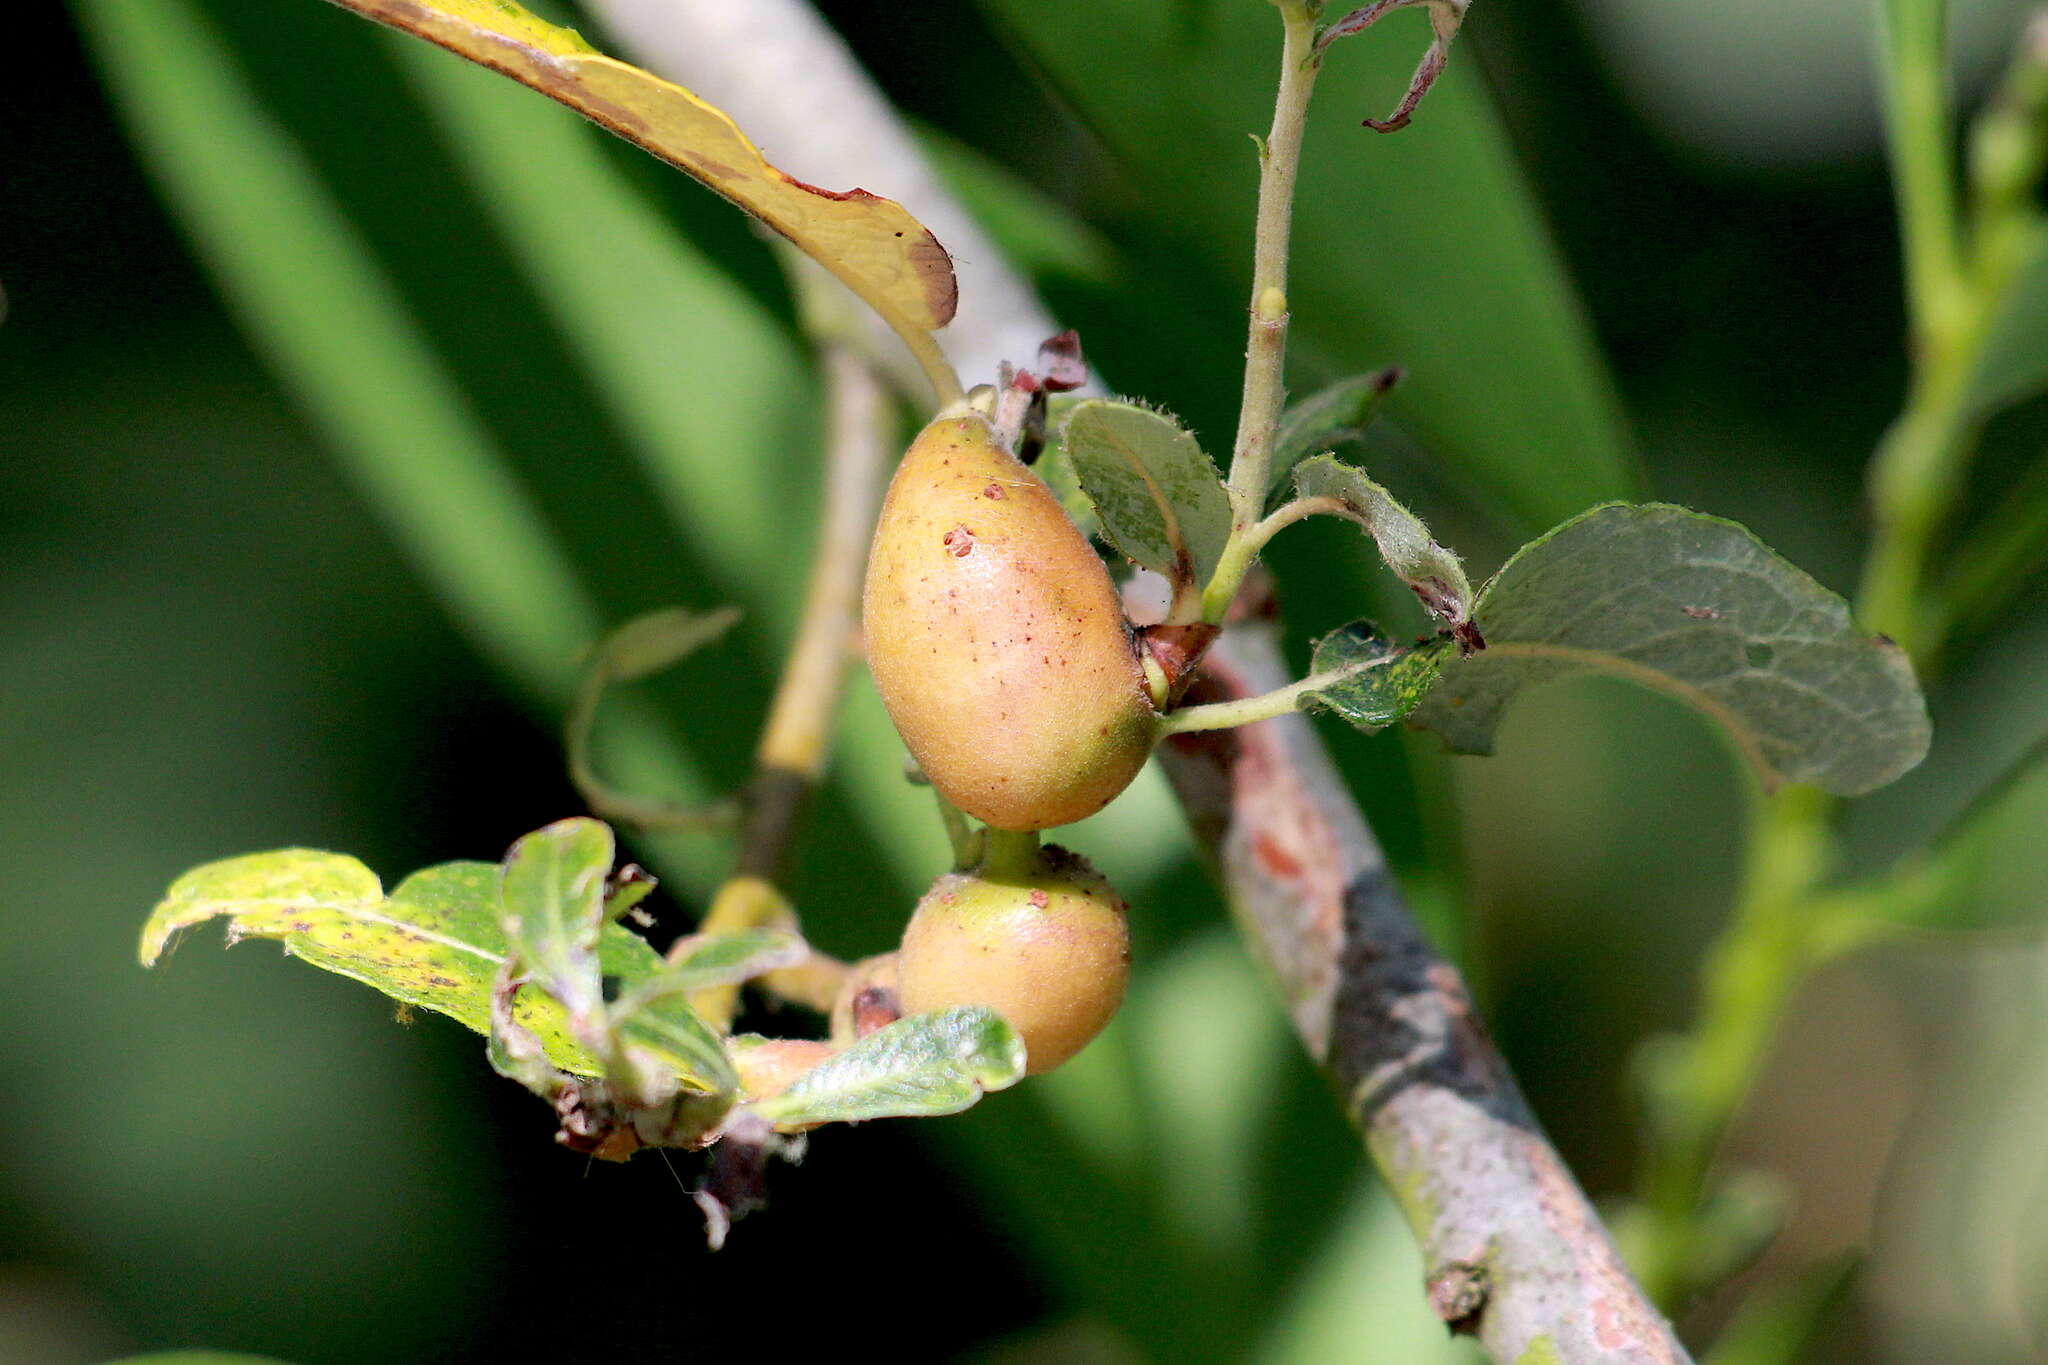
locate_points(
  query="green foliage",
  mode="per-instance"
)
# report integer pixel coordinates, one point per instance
(642, 647)
(327, 316)
(1700, 609)
(1156, 493)
(1783, 1321)
(2014, 362)
(1430, 571)
(1331, 416)
(923, 1066)
(1968, 881)
(196, 1358)
(438, 942)
(1425, 249)
(1376, 682)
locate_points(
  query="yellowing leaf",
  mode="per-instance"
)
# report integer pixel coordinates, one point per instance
(882, 253)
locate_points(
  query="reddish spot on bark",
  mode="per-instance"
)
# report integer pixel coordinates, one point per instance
(959, 542)
(995, 491)
(1275, 858)
(1040, 899)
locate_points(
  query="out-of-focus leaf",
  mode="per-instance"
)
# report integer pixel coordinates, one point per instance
(920, 1067)
(1375, 681)
(436, 942)
(643, 646)
(1157, 494)
(661, 639)
(552, 886)
(2014, 362)
(1326, 418)
(880, 251)
(1431, 572)
(1980, 877)
(1779, 1323)
(1700, 609)
(1424, 249)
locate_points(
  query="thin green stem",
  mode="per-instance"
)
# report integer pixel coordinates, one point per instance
(1747, 980)
(1918, 120)
(1266, 347)
(1241, 551)
(1228, 715)
(966, 844)
(1008, 855)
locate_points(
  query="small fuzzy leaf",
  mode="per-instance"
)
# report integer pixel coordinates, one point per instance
(703, 961)
(873, 244)
(1057, 470)
(1373, 681)
(1157, 494)
(920, 1067)
(1700, 609)
(553, 889)
(1430, 571)
(436, 942)
(1326, 418)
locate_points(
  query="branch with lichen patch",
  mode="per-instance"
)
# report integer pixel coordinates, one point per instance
(1515, 1254)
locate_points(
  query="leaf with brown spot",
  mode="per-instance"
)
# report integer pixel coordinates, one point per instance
(882, 253)
(436, 942)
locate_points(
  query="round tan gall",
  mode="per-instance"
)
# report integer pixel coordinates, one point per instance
(1050, 951)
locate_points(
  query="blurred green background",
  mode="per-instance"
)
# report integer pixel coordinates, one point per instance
(1631, 246)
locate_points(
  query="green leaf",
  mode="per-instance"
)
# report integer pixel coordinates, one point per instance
(1373, 681)
(920, 1067)
(1057, 470)
(1425, 248)
(1329, 417)
(648, 644)
(1779, 1323)
(1431, 572)
(435, 942)
(1157, 494)
(553, 889)
(1700, 609)
(703, 961)
(1985, 875)
(643, 646)
(2014, 362)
